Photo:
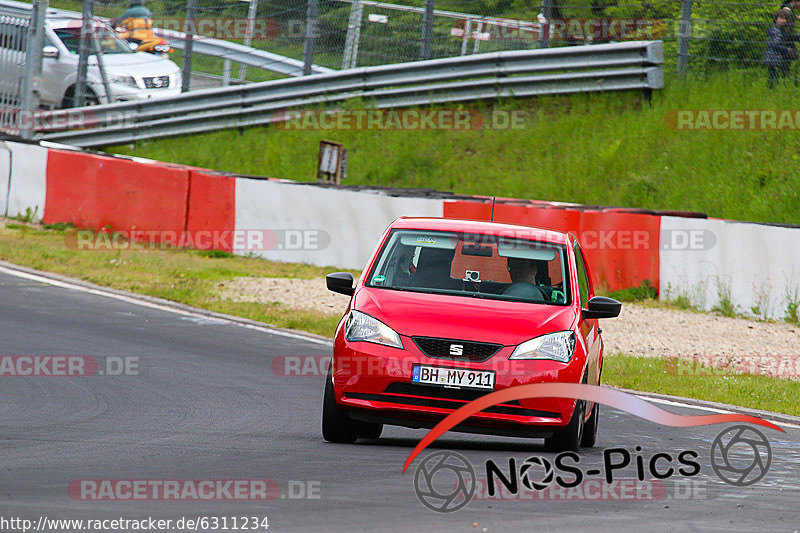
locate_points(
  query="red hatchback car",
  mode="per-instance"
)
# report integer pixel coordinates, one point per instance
(449, 310)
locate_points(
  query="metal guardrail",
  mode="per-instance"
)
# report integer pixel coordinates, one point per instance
(252, 57)
(608, 67)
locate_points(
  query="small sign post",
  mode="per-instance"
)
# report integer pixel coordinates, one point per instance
(331, 162)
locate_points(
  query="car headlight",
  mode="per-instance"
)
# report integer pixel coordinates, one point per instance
(362, 327)
(557, 346)
(123, 80)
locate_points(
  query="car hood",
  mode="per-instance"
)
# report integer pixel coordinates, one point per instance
(462, 317)
(138, 64)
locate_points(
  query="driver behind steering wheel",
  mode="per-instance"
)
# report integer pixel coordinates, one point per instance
(525, 280)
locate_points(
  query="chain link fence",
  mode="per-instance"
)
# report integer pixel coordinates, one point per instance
(699, 36)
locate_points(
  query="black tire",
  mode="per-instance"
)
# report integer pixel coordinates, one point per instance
(336, 425)
(69, 98)
(570, 437)
(590, 429)
(369, 430)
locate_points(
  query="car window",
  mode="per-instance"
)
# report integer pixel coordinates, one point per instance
(583, 279)
(474, 265)
(108, 40)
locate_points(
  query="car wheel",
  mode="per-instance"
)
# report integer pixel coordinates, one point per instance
(69, 98)
(570, 437)
(369, 430)
(590, 429)
(336, 425)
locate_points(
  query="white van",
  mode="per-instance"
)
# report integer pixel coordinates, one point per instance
(131, 75)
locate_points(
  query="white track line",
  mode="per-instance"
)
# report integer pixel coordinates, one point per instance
(711, 409)
(151, 305)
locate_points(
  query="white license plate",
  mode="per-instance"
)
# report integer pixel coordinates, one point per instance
(453, 377)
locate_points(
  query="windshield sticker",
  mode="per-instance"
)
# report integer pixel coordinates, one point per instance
(378, 279)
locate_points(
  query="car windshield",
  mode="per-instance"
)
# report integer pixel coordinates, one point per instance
(498, 267)
(109, 41)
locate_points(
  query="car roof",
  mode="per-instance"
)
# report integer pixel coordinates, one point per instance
(64, 21)
(480, 226)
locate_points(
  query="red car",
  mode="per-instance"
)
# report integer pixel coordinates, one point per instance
(449, 310)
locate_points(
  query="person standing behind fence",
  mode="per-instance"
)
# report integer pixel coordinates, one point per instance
(780, 50)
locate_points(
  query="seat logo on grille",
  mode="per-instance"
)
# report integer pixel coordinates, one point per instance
(456, 349)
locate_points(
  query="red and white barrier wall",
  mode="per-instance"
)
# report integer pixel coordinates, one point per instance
(702, 259)
(756, 266)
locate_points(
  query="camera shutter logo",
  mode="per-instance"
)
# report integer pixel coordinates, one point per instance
(453, 487)
(525, 473)
(456, 349)
(734, 463)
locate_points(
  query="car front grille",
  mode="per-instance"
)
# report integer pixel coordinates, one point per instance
(449, 348)
(444, 398)
(157, 82)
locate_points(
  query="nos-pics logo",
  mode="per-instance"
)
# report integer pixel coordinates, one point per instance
(445, 481)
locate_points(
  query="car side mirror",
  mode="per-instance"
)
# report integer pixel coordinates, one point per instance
(601, 307)
(341, 282)
(50, 52)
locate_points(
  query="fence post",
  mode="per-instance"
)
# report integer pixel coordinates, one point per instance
(685, 31)
(312, 12)
(427, 30)
(33, 65)
(544, 28)
(83, 53)
(189, 31)
(350, 58)
(248, 36)
(101, 65)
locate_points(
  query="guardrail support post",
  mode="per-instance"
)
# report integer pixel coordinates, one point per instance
(312, 13)
(544, 28)
(685, 31)
(189, 30)
(427, 30)
(248, 37)
(33, 65)
(83, 53)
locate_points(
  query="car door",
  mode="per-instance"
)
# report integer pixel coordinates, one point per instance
(589, 329)
(58, 73)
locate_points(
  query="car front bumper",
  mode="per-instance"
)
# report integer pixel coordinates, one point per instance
(373, 382)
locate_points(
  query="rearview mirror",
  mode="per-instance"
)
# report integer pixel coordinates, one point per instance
(50, 52)
(602, 307)
(341, 282)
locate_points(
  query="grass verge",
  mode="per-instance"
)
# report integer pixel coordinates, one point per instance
(653, 375)
(186, 276)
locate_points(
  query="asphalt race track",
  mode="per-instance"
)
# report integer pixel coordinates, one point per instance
(204, 403)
